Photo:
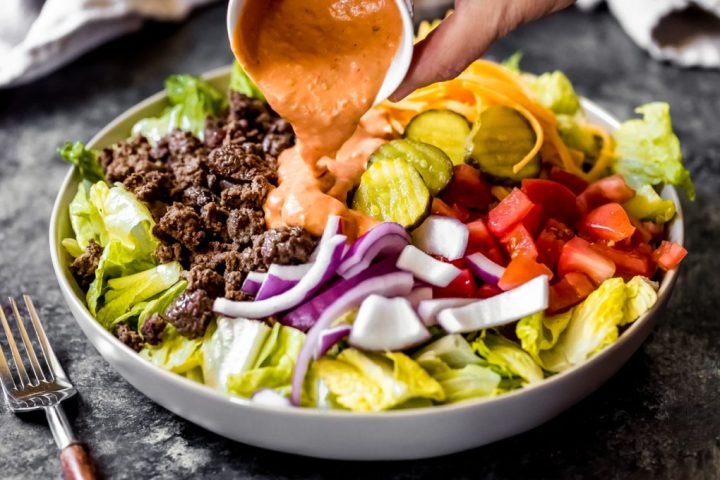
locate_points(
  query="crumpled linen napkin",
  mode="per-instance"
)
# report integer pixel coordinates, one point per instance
(685, 32)
(39, 36)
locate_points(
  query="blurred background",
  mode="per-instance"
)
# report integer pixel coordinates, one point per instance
(657, 418)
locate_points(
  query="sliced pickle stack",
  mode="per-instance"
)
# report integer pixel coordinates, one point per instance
(444, 129)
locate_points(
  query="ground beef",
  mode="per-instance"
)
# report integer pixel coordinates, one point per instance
(84, 266)
(244, 224)
(200, 278)
(190, 313)
(279, 137)
(239, 164)
(250, 195)
(233, 286)
(152, 328)
(128, 336)
(172, 252)
(181, 224)
(152, 185)
(286, 245)
(134, 155)
(197, 197)
(214, 218)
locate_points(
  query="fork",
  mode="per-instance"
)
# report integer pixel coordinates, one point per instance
(47, 388)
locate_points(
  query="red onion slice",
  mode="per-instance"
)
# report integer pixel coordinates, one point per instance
(391, 284)
(281, 278)
(428, 309)
(383, 240)
(444, 236)
(328, 258)
(387, 324)
(484, 268)
(330, 337)
(427, 268)
(507, 307)
(333, 226)
(252, 283)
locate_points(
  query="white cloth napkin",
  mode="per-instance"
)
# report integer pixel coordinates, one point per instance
(685, 32)
(37, 37)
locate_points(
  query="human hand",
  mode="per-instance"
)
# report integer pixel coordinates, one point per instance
(466, 34)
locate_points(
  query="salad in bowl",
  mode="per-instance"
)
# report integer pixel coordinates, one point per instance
(487, 237)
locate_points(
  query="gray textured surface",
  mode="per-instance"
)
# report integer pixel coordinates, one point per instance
(658, 418)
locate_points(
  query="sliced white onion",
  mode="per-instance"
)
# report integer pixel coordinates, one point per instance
(444, 236)
(428, 309)
(427, 268)
(387, 324)
(252, 283)
(419, 294)
(281, 278)
(507, 307)
(329, 256)
(391, 284)
(485, 268)
(268, 396)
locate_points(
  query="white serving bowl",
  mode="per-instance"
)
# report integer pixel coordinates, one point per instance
(394, 435)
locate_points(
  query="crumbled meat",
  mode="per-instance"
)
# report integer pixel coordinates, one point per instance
(214, 218)
(236, 163)
(182, 224)
(233, 286)
(199, 278)
(152, 185)
(286, 245)
(172, 252)
(152, 328)
(244, 224)
(279, 137)
(188, 171)
(128, 336)
(190, 313)
(251, 195)
(84, 266)
(180, 142)
(198, 197)
(134, 155)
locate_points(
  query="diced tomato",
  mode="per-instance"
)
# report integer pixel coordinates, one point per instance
(522, 269)
(557, 200)
(551, 241)
(641, 235)
(441, 208)
(463, 287)
(578, 256)
(519, 242)
(669, 255)
(508, 213)
(574, 183)
(572, 289)
(481, 240)
(467, 189)
(534, 220)
(608, 189)
(607, 222)
(627, 263)
(657, 230)
(487, 290)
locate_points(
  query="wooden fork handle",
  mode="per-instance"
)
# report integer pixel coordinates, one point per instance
(77, 464)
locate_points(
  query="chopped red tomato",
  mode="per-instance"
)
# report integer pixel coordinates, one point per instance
(627, 263)
(557, 200)
(467, 189)
(533, 221)
(578, 256)
(551, 241)
(574, 183)
(657, 230)
(462, 287)
(481, 240)
(441, 208)
(522, 269)
(669, 255)
(641, 235)
(608, 189)
(508, 213)
(487, 291)
(607, 222)
(519, 242)
(572, 289)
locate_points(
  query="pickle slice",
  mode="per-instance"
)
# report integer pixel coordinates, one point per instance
(500, 139)
(444, 129)
(393, 191)
(432, 164)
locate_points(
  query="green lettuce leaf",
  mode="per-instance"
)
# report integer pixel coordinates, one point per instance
(161, 302)
(592, 327)
(648, 205)
(513, 61)
(241, 82)
(72, 246)
(576, 136)
(175, 353)
(123, 293)
(372, 382)
(470, 381)
(508, 357)
(85, 218)
(84, 159)
(274, 366)
(649, 151)
(191, 100)
(641, 296)
(538, 332)
(554, 91)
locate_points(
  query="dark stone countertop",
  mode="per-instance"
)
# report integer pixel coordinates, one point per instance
(657, 418)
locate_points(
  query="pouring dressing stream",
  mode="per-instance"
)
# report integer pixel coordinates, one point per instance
(321, 65)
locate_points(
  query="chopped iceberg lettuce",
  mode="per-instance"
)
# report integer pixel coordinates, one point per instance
(641, 296)
(554, 91)
(538, 332)
(84, 159)
(648, 205)
(85, 218)
(175, 353)
(507, 356)
(241, 82)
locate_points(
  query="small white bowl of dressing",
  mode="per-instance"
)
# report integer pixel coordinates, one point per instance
(400, 63)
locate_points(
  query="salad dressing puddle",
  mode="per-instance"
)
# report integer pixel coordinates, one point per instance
(320, 64)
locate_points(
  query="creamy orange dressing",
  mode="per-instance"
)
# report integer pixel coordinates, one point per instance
(320, 63)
